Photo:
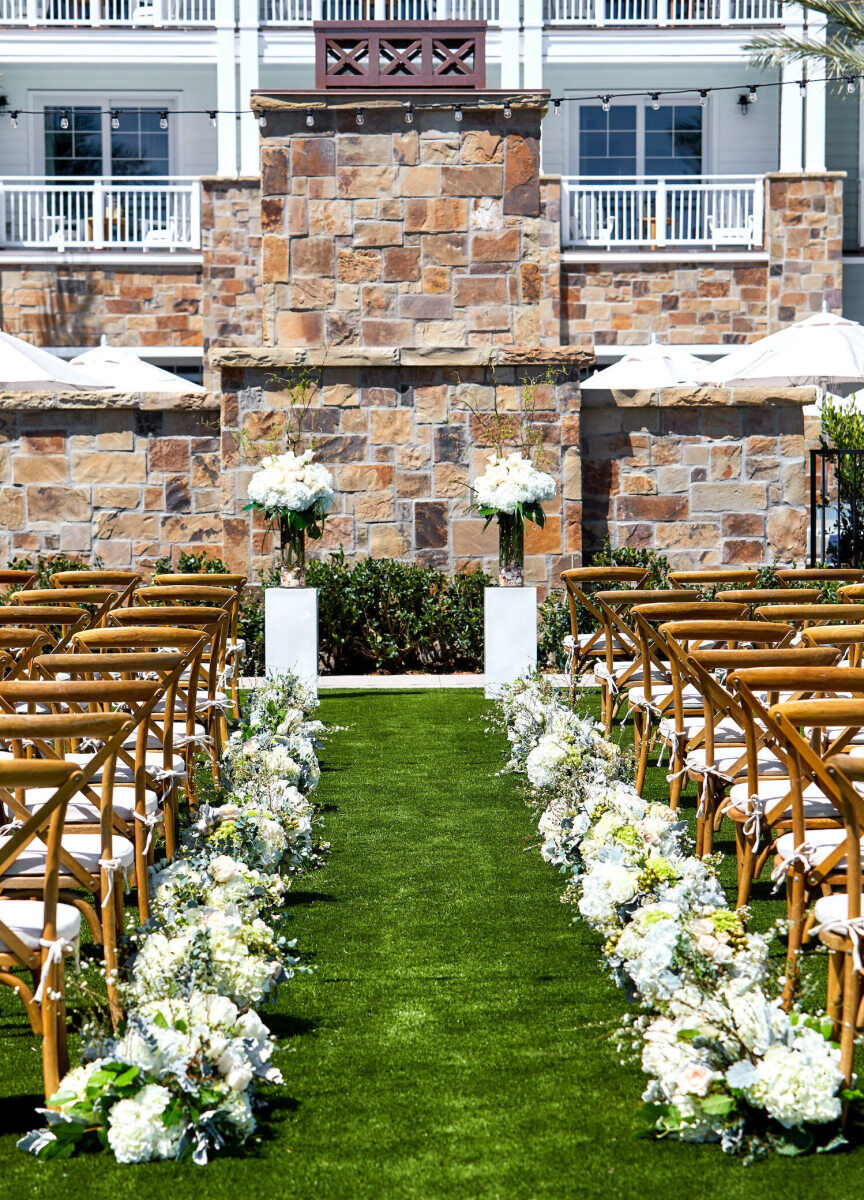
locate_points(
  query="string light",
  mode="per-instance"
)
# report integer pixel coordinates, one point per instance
(606, 103)
(655, 100)
(64, 119)
(115, 119)
(457, 115)
(802, 86)
(359, 117)
(850, 85)
(262, 120)
(13, 118)
(213, 117)
(753, 92)
(508, 111)
(163, 119)
(409, 113)
(703, 99)
(310, 117)
(557, 108)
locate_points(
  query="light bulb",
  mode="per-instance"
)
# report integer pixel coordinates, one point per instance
(850, 85)
(310, 117)
(115, 119)
(606, 103)
(64, 120)
(457, 115)
(556, 108)
(213, 118)
(802, 86)
(409, 114)
(508, 112)
(163, 119)
(262, 120)
(359, 117)
(13, 118)
(703, 99)
(655, 100)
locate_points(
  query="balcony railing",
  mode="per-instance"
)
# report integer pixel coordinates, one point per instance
(663, 12)
(720, 211)
(100, 214)
(304, 12)
(295, 13)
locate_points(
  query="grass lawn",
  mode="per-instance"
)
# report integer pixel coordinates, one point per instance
(456, 1038)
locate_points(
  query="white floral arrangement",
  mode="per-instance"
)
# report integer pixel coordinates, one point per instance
(292, 483)
(725, 1062)
(512, 484)
(178, 1078)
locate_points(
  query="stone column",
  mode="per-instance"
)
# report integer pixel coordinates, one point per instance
(804, 238)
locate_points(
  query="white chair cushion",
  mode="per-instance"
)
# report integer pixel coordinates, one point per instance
(726, 757)
(26, 919)
(124, 773)
(830, 908)
(691, 699)
(80, 809)
(823, 842)
(86, 848)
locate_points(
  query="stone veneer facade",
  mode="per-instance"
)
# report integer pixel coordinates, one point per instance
(416, 272)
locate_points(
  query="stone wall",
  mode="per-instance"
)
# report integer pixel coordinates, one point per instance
(708, 479)
(231, 300)
(127, 483)
(74, 305)
(404, 447)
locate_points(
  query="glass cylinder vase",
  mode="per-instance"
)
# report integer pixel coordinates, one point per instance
(292, 555)
(511, 550)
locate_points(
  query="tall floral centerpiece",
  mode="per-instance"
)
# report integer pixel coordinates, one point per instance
(512, 490)
(295, 493)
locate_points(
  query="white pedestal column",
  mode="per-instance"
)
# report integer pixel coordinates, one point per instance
(510, 635)
(291, 633)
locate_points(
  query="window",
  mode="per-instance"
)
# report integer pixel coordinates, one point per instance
(89, 146)
(636, 139)
(76, 150)
(139, 146)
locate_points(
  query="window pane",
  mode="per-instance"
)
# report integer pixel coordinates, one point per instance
(622, 145)
(660, 118)
(607, 140)
(139, 146)
(592, 117)
(658, 144)
(622, 116)
(77, 150)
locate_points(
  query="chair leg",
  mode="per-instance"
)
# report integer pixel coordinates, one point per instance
(746, 866)
(50, 1057)
(834, 991)
(644, 748)
(62, 1043)
(848, 1031)
(109, 932)
(796, 897)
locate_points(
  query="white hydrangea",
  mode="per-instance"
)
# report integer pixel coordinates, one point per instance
(292, 483)
(511, 480)
(136, 1131)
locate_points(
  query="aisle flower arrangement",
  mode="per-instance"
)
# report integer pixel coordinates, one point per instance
(177, 1079)
(725, 1062)
(512, 490)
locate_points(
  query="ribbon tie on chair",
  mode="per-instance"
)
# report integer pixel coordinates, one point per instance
(192, 739)
(161, 774)
(10, 827)
(56, 949)
(238, 648)
(602, 672)
(753, 809)
(111, 865)
(851, 927)
(669, 736)
(221, 704)
(706, 772)
(569, 644)
(801, 856)
(150, 820)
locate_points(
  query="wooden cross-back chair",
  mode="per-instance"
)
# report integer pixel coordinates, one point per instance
(213, 623)
(99, 600)
(580, 583)
(812, 859)
(848, 639)
(236, 648)
(651, 689)
(123, 583)
(705, 734)
(710, 578)
(37, 935)
(56, 622)
(139, 804)
(143, 786)
(18, 648)
(803, 616)
(620, 635)
(758, 597)
(851, 593)
(92, 863)
(795, 575)
(15, 577)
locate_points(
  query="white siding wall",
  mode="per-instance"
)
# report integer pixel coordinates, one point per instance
(841, 152)
(853, 290)
(193, 139)
(733, 144)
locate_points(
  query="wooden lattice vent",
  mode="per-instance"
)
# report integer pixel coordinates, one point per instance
(409, 54)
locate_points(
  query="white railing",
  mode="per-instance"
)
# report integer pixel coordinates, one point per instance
(169, 13)
(663, 12)
(100, 214)
(304, 12)
(702, 210)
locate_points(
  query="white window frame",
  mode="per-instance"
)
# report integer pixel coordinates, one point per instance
(39, 101)
(640, 103)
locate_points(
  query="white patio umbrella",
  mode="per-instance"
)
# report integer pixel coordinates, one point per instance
(28, 368)
(647, 368)
(122, 369)
(821, 351)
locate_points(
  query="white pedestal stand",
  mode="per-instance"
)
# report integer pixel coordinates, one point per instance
(291, 633)
(510, 635)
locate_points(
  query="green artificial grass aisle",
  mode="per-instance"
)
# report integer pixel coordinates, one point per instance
(457, 1036)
